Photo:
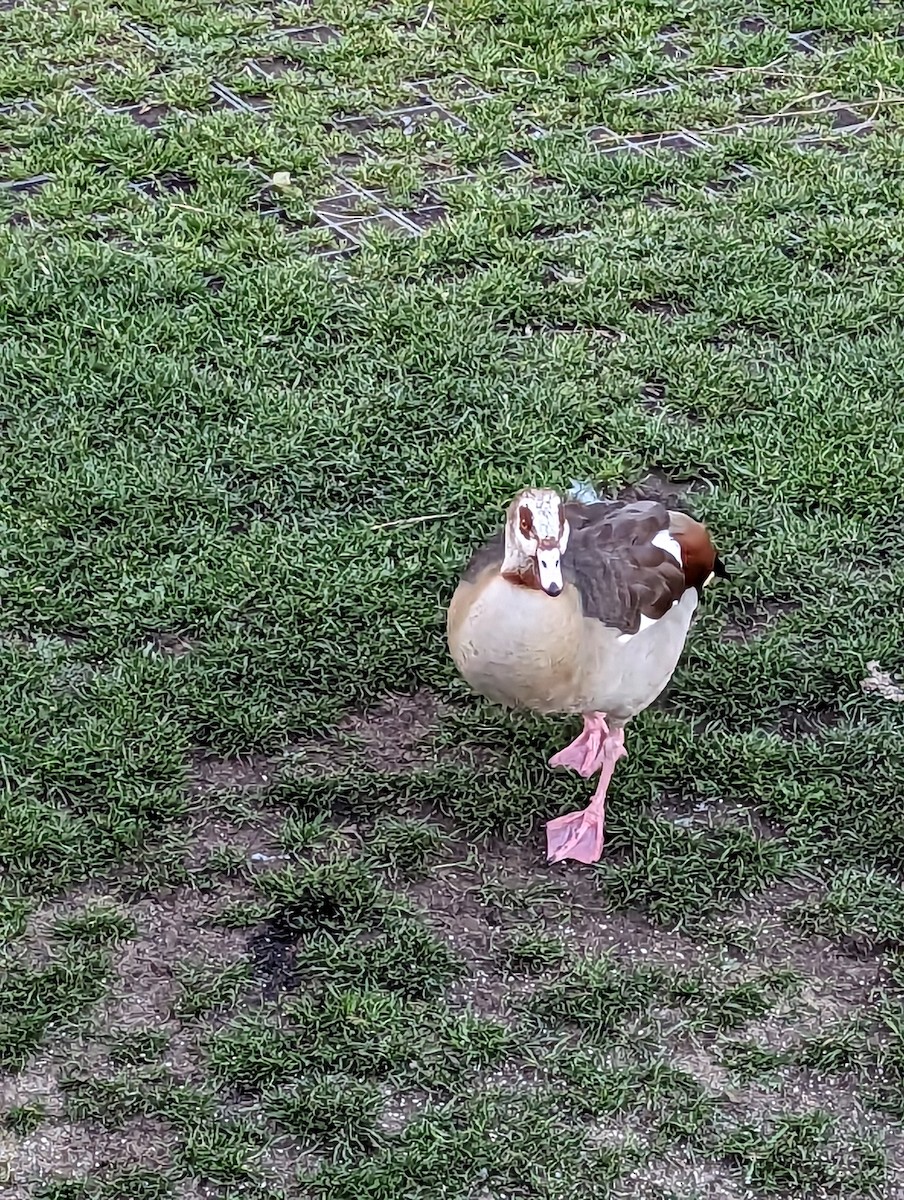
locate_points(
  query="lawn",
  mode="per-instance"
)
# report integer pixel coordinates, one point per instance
(293, 298)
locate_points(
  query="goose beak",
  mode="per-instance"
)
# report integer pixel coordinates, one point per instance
(549, 568)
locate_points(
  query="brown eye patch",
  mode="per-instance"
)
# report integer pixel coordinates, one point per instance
(527, 520)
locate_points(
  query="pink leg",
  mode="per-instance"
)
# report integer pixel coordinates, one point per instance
(579, 835)
(585, 753)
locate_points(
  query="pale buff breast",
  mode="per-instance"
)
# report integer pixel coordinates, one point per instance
(519, 647)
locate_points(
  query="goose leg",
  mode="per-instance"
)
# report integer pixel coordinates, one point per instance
(585, 753)
(579, 835)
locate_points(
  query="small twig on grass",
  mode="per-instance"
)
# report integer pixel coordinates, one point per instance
(715, 70)
(778, 66)
(879, 102)
(761, 120)
(413, 520)
(190, 208)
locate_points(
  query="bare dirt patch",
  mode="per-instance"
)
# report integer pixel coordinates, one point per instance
(835, 990)
(510, 893)
(454, 909)
(681, 1174)
(36, 1084)
(391, 735)
(710, 813)
(401, 1107)
(213, 772)
(76, 1149)
(775, 943)
(175, 644)
(478, 908)
(254, 842)
(812, 721)
(171, 937)
(754, 619)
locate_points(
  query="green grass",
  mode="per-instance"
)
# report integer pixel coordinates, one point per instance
(24, 1118)
(238, 480)
(36, 1000)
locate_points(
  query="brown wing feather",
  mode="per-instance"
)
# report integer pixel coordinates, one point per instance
(611, 559)
(619, 573)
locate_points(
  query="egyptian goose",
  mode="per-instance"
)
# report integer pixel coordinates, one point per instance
(581, 607)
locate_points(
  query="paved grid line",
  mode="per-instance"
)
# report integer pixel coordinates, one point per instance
(340, 212)
(351, 210)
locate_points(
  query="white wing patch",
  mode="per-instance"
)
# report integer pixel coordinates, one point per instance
(645, 623)
(664, 541)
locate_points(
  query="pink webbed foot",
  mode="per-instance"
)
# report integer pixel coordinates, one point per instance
(579, 835)
(585, 753)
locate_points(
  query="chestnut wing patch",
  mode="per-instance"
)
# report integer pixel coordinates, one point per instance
(621, 574)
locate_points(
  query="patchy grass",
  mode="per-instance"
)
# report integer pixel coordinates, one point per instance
(294, 296)
(36, 1000)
